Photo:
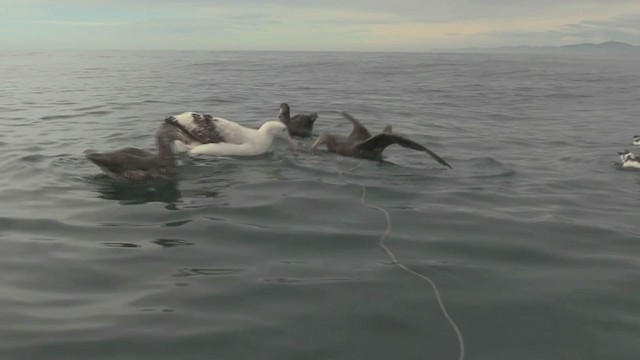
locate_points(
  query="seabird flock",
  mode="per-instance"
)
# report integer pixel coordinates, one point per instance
(201, 134)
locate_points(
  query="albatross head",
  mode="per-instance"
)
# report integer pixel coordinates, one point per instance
(276, 128)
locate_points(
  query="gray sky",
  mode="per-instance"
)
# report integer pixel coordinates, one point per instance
(368, 25)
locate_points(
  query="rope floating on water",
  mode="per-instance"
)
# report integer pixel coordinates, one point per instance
(395, 261)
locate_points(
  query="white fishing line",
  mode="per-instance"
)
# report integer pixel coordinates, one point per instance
(395, 261)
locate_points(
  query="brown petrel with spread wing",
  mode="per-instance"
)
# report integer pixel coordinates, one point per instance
(361, 144)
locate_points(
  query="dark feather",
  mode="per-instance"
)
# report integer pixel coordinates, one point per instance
(361, 144)
(125, 159)
(379, 142)
(204, 132)
(136, 152)
(300, 125)
(304, 120)
(137, 164)
(359, 132)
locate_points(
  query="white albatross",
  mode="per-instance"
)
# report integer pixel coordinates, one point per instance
(217, 136)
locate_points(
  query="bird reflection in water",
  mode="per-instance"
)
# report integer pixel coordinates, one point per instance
(128, 193)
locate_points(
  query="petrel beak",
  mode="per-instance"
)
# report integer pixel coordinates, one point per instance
(316, 143)
(620, 153)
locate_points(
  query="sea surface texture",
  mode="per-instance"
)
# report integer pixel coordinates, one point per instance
(533, 238)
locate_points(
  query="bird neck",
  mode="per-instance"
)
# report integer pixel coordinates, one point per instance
(165, 136)
(285, 117)
(264, 140)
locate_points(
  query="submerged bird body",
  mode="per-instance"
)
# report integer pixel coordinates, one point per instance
(136, 164)
(299, 125)
(629, 160)
(360, 143)
(219, 136)
(636, 140)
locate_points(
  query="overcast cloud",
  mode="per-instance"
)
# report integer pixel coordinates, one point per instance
(379, 25)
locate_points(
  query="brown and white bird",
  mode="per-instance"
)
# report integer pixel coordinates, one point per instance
(629, 160)
(218, 136)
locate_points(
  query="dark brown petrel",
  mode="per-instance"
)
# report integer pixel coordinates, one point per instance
(299, 125)
(361, 144)
(136, 165)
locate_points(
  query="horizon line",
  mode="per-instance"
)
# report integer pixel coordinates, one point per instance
(431, 50)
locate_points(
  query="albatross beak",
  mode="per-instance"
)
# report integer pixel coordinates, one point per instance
(292, 144)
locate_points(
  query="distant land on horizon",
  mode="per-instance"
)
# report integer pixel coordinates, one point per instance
(605, 48)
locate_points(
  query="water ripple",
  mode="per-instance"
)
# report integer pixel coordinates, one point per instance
(531, 235)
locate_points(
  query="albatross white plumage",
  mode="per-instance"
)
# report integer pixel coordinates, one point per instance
(219, 136)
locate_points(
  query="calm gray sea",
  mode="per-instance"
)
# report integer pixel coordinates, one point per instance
(533, 238)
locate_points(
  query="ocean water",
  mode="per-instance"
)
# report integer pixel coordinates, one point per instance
(533, 238)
